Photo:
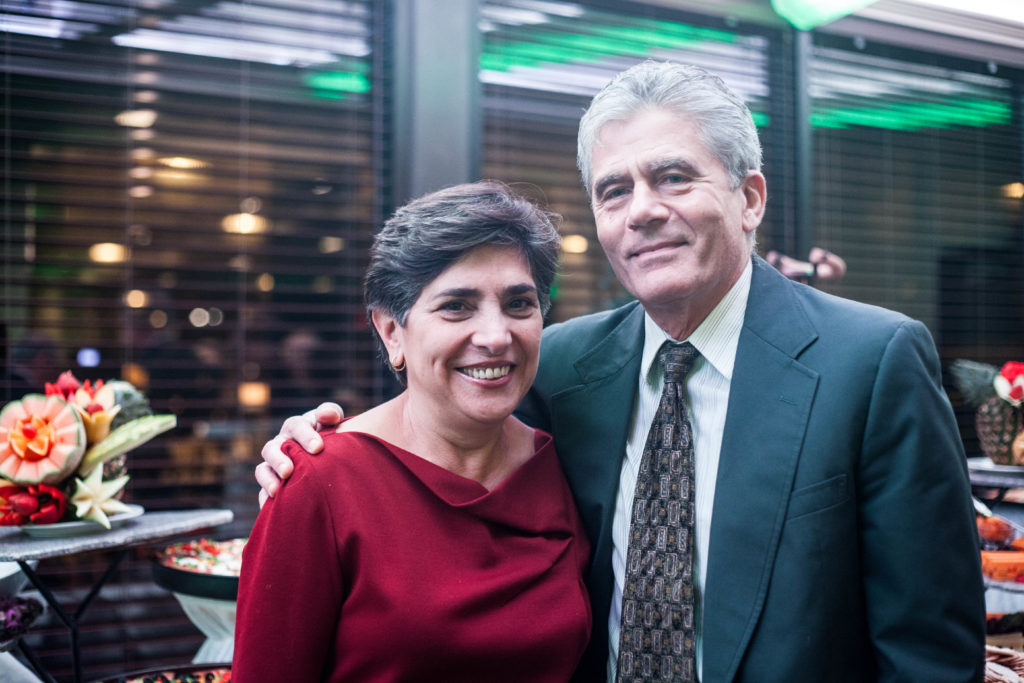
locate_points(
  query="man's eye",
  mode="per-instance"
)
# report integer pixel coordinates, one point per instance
(456, 306)
(674, 178)
(615, 192)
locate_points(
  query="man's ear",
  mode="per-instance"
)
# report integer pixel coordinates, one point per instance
(388, 329)
(755, 194)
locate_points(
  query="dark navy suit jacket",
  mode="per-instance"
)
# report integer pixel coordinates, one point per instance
(843, 545)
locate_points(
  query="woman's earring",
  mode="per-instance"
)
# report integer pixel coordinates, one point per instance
(396, 366)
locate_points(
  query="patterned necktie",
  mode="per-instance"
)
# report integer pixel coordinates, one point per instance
(657, 641)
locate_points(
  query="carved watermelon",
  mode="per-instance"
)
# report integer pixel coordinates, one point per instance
(42, 440)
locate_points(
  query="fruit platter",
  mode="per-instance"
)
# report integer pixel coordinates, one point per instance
(63, 455)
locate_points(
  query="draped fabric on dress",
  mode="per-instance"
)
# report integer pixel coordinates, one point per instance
(375, 564)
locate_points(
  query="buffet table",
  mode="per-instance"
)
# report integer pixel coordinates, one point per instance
(997, 479)
(16, 544)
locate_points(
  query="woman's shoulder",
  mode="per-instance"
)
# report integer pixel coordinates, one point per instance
(343, 450)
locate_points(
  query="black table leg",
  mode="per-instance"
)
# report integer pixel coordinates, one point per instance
(71, 621)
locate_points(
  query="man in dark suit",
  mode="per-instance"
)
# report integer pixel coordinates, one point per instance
(834, 532)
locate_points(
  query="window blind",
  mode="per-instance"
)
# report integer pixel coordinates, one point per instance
(917, 167)
(190, 190)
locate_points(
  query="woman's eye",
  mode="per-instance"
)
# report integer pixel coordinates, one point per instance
(522, 304)
(455, 306)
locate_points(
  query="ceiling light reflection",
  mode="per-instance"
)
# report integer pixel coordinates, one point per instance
(183, 163)
(225, 48)
(47, 28)
(136, 118)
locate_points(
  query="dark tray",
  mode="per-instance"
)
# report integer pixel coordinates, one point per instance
(193, 583)
(187, 674)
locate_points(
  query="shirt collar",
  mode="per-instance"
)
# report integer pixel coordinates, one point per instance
(716, 337)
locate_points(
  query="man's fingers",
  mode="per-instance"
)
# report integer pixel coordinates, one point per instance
(329, 414)
(263, 498)
(278, 463)
(300, 429)
(268, 480)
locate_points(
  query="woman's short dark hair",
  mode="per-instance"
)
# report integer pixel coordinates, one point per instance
(432, 232)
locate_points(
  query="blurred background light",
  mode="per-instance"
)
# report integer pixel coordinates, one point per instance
(136, 118)
(199, 317)
(88, 357)
(575, 244)
(136, 298)
(331, 244)
(253, 394)
(107, 252)
(244, 223)
(808, 14)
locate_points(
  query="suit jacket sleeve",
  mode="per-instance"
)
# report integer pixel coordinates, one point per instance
(920, 561)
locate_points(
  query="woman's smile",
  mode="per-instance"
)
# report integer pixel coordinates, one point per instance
(489, 373)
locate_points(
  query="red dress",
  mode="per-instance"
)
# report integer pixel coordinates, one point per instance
(373, 564)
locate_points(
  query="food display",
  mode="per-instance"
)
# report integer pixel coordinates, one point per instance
(205, 556)
(203, 567)
(1003, 565)
(189, 674)
(994, 531)
(1002, 549)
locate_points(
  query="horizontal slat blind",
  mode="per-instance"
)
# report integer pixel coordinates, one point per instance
(231, 156)
(917, 167)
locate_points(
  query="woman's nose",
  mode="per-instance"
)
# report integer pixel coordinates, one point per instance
(493, 332)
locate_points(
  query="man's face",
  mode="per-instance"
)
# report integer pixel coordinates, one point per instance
(675, 233)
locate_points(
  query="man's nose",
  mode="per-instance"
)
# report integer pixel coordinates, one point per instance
(645, 207)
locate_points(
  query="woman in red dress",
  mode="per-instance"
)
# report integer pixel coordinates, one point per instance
(435, 538)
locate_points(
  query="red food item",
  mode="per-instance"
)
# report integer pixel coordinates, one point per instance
(1002, 565)
(994, 529)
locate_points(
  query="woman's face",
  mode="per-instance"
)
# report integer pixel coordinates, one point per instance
(471, 340)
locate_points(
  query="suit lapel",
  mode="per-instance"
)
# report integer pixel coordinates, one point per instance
(769, 403)
(593, 418)
(592, 414)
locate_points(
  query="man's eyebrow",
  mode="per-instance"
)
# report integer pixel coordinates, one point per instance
(602, 184)
(670, 163)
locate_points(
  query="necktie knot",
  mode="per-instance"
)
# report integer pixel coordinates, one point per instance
(677, 359)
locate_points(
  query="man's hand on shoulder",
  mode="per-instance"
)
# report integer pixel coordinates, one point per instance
(276, 466)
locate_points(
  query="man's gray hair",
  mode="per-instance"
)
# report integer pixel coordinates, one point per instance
(724, 123)
(432, 232)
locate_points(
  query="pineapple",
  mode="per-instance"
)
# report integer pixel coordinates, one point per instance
(998, 423)
(133, 405)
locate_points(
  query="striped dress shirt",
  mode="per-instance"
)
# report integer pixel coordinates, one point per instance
(707, 389)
